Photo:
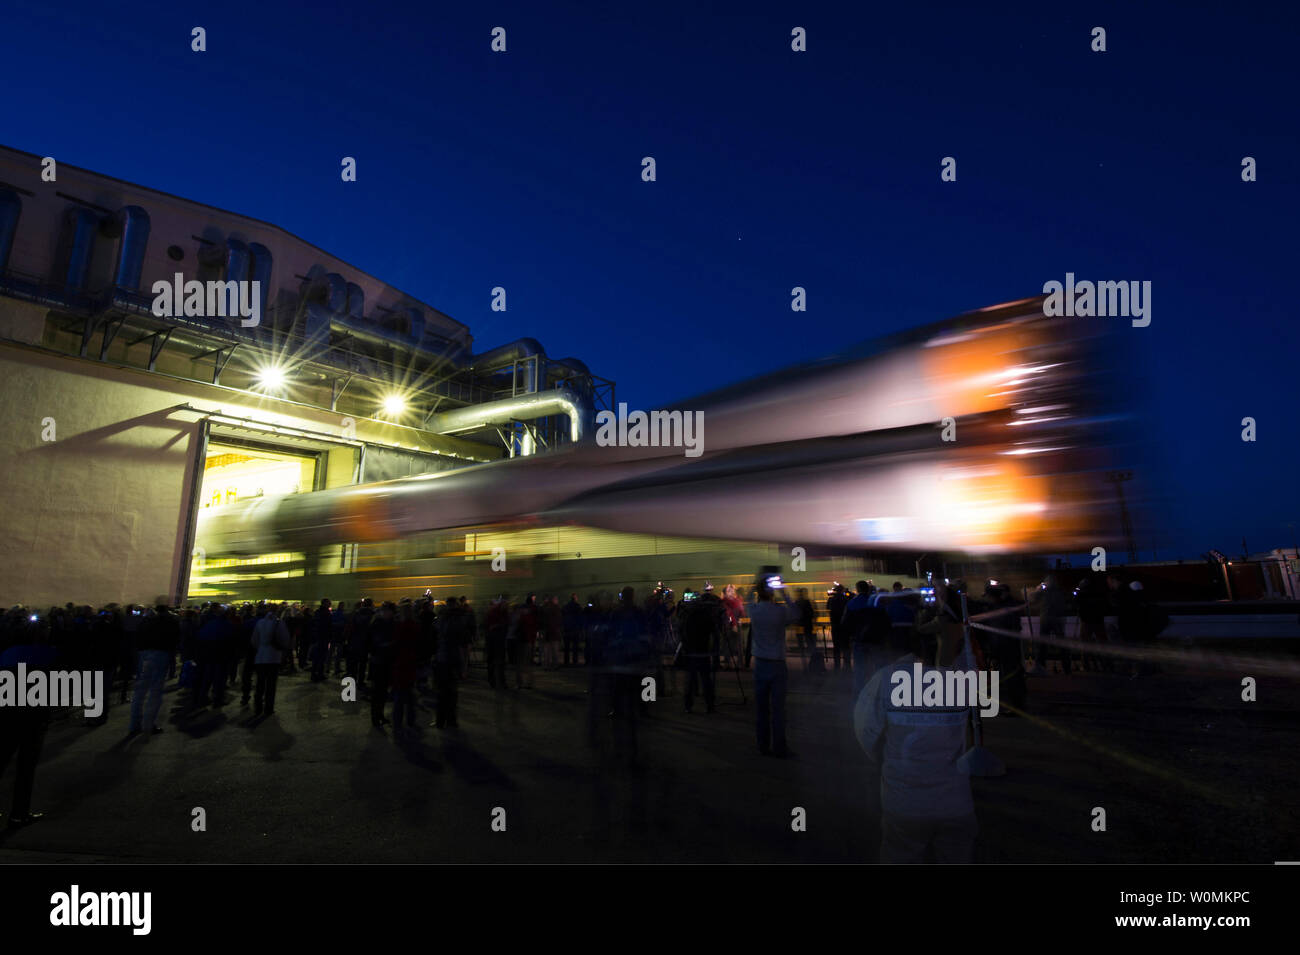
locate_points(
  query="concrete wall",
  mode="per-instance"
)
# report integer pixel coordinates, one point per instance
(98, 513)
(93, 515)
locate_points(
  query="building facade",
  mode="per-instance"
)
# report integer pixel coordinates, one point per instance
(160, 357)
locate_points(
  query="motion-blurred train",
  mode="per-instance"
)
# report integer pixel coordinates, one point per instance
(989, 433)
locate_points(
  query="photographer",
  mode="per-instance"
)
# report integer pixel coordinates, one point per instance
(767, 621)
(702, 621)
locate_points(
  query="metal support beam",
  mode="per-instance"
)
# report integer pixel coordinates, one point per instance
(336, 390)
(157, 341)
(88, 329)
(432, 411)
(111, 327)
(157, 345)
(222, 354)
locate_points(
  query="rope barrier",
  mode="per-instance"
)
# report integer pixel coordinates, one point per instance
(1234, 661)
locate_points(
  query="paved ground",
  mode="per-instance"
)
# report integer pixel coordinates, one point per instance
(1185, 771)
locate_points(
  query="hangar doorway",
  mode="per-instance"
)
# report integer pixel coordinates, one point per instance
(238, 469)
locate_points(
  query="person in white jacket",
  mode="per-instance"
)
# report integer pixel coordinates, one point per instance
(926, 800)
(270, 640)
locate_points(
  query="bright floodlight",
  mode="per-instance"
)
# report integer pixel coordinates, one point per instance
(394, 405)
(271, 378)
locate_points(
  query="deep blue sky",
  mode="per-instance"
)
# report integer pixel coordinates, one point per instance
(775, 169)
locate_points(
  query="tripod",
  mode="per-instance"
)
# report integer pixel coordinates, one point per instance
(733, 662)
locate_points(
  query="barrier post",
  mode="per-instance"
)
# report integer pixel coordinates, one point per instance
(976, 761)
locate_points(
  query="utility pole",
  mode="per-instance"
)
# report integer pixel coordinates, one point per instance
(1126, 526)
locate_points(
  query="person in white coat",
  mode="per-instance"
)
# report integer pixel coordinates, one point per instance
(926, 800)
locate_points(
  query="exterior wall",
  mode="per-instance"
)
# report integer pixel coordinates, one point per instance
(99, 513)
(173, 221)
(96, 514)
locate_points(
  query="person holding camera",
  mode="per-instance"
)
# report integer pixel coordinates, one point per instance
(768, 620)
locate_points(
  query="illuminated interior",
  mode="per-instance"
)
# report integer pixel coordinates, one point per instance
(240, 473)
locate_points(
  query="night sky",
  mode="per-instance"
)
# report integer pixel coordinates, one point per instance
(774, 169)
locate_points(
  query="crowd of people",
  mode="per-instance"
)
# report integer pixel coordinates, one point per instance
(412, 651)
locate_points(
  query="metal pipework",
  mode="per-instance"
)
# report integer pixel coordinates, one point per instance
(537, 404)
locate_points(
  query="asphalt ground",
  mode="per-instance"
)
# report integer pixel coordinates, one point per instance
(1186, 772)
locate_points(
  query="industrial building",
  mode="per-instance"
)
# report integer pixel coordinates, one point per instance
(122, 422)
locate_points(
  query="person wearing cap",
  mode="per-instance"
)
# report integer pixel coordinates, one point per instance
(1133, 614)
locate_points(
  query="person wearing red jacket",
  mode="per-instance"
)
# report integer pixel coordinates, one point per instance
(734, 608)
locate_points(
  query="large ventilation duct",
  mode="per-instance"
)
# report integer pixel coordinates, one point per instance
(11, 207)
(402, 327)
(554, 367)
(260, 270)
(538, 404)
(324, 296)
(76, 245)
(517, 350)
(236, 261)
(132, 223)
